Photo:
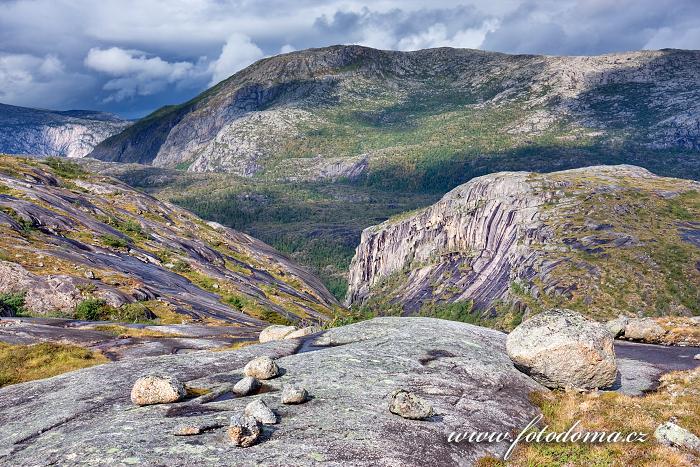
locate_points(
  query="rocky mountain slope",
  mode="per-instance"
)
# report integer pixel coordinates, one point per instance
(74, 244)
(72, 133)
(602, 240)
(347, 111)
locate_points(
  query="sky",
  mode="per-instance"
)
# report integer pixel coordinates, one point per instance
(131, 57)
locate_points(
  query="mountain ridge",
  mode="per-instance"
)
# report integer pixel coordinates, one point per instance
(41, 132)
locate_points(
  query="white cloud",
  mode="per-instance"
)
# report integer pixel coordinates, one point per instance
(437, 35)
(38, 81)
(286, 48)
(238, 52)
(135, 73)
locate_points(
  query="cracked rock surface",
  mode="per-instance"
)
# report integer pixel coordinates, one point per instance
(461, 370)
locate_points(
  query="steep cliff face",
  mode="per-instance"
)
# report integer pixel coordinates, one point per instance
(345, 101)
(68, 237)
(46, 133)
(605, 240)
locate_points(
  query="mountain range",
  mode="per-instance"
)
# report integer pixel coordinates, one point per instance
(70, 133)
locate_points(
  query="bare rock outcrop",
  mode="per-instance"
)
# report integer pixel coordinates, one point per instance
(511, 242)
(560, 349)
(48, 133)
(67, 236)
(461, 370)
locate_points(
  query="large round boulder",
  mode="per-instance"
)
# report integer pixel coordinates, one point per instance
(560, 348)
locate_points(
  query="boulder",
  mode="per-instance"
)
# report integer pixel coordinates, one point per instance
(294, 395)
(617, 326)
(261, 412)
(303, 332)
(697, 356)
(275, 332)
(157, 389)
(261, 368)
(644, 330)
(561, 348)
(671, 434)
(244, 431)
(246, 386)
(408, 405)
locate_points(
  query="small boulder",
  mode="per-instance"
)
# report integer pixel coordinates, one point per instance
(617, 326)
(261, 368)
(697, 356)
(246, 386)
(157, 389)
(303, 332)
(261, 412)
(276, 332)
(294, 395)
(244, 431)
(671, 434)
(644, 330)
(408, 405)
(561, 348)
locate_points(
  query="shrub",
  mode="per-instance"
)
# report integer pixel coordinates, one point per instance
(12, 304)
(65, 168)
(114, 241)
(91, 309)
(181, 266)
(131, 313)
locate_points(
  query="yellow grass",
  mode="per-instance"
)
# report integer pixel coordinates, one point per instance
(20, 363)
(678, 396)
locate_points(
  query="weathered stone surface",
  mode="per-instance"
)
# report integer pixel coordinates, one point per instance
(561, 348)
(645, 330)
(408, 405)
(46, 133)
(671, 434)
(81, 254)
(275, 332)
(303, 332)
(509, 237)
(244, 431)
(259, 410)
(246, 386)
(617, 326)
(294, 394)
(157, 389)
(262, 368)
(463, 371)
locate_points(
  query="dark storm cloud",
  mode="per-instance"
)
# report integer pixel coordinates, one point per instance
(131, 56)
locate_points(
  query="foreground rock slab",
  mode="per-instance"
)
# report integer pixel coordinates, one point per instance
(561, 348)
(463, 371)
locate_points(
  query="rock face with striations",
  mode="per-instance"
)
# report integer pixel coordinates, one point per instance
(561, 348)
(512, 241)
(67, 236)
(72, 133)
(461, 370)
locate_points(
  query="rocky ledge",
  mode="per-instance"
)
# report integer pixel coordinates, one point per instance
(351, 373)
